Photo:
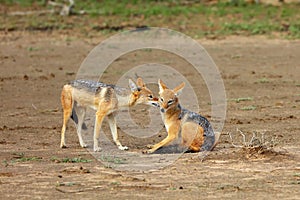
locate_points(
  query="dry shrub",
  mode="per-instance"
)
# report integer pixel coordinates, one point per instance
(259, 146)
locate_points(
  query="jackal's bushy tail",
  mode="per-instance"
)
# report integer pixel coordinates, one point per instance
(210, 141)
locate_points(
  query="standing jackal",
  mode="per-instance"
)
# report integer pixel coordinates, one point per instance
(105, 99)
(195, 130)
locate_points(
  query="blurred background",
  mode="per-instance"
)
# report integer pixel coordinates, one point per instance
(210, 19)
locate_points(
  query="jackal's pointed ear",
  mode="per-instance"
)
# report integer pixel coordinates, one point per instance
(161, 86)
(140, 83)
(178, 90)
(132, 85)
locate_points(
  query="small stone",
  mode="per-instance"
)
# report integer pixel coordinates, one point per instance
(25, 77)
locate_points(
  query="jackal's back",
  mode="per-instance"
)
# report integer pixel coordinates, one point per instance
(95, 87)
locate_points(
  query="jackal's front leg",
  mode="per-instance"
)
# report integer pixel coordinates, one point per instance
(172, 135)
(113, 128)
(98, 123)
(164, 142)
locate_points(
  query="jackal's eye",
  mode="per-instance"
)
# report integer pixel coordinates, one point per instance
(150, 96)
(161, 99)
(171, 101)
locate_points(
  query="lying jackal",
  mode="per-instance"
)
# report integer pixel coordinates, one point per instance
(195, 130)
(106, 100)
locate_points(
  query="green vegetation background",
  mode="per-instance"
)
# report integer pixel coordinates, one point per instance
(194, 18)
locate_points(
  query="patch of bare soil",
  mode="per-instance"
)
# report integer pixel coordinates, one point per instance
(261, 78)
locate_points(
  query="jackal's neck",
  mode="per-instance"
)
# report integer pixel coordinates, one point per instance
(124, 100)
(173, 112)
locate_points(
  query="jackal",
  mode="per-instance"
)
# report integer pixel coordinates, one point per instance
(106, 99)
(195, 130)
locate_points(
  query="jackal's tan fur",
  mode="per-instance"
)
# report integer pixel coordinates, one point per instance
(195, 130)
(105, 99)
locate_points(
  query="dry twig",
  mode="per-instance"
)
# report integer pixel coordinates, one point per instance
(255, 141)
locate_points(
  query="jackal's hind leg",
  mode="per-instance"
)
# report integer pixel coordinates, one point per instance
(192, 136)
(113, 129)
(81, 115)
(67, 104)
(66, 117)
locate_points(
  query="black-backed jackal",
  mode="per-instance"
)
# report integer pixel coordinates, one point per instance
(78, 95)
(195, 130)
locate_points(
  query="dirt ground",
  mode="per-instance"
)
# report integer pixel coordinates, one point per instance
(262, 81)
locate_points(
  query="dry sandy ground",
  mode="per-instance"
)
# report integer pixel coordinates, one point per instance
(35, 66)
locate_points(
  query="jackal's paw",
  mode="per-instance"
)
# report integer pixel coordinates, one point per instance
(147, 151)
(83, 145)
(63, 146)
(149, 146)
(123, 148)
(97, 149)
